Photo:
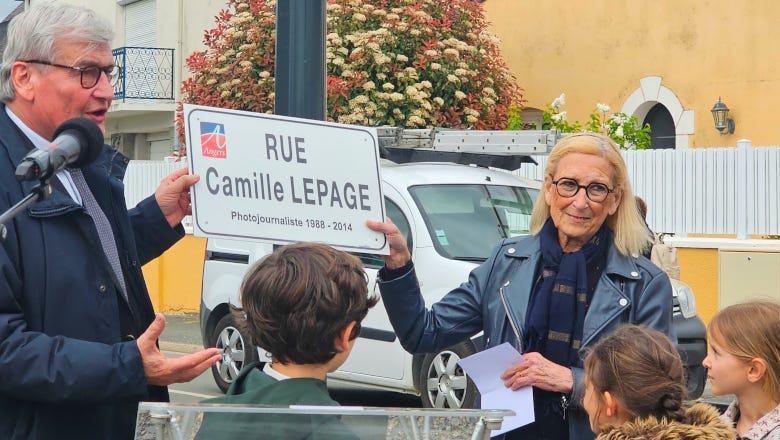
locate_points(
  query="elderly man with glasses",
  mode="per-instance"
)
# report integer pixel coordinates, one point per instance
(78, 333)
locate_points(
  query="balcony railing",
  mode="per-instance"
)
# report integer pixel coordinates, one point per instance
(147, 73)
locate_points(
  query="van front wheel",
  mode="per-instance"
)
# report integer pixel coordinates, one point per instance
(443, 384)
(236, 350)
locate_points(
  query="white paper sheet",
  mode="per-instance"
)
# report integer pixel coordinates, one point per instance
(485, 369)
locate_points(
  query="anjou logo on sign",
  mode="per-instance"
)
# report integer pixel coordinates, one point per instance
(213, 142)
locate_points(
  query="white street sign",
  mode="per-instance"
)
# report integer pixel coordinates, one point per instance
(281, 179)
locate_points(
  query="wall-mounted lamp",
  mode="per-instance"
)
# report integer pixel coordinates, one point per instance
(720, 113)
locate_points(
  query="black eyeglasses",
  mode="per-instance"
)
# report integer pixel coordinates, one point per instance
(596, 192)
(89, 75)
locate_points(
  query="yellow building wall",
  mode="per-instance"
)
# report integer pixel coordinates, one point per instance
(699, 270)
(597, 51)
(174, 279)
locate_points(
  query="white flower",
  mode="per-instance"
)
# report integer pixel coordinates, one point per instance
(451, 52)
(459, 95)
(619, 118)
(381, 59)
(619, 131)
(558, 117)
(416, 121)
(603, 108)
(388, 87)
(559, 101)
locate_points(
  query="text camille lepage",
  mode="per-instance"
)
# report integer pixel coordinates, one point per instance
(261, 185)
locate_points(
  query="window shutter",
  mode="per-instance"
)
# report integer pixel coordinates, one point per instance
(141, 24)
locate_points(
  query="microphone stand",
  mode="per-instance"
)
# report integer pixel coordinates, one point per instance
(39, 192)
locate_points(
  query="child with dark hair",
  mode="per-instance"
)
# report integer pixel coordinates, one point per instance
(744, 360)
(303, 304)
(635, 387)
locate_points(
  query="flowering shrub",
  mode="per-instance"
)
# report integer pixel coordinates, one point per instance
(623, 129)
(412, 63)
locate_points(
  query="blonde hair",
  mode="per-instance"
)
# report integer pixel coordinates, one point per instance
(751, 330)
(628, 227)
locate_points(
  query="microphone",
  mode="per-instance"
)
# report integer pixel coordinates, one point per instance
(77, 142)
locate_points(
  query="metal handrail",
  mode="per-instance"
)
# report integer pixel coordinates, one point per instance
(147, 73)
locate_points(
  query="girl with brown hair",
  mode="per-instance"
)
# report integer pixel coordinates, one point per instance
(635, 387)
(744, 360)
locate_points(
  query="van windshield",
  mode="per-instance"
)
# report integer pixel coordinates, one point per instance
(466, 221)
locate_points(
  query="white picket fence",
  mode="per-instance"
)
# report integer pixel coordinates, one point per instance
(144, 176)
(704, 190)
(695, 190)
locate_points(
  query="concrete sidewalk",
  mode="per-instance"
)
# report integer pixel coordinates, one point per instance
(182, 335)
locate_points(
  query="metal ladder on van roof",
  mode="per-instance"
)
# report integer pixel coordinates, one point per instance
(505, 149)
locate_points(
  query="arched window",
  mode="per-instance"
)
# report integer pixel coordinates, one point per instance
(662, 133)
(671, 124)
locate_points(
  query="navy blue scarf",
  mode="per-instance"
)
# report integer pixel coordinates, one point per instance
(556, 313)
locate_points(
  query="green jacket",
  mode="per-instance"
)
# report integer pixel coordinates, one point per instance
(254, 387)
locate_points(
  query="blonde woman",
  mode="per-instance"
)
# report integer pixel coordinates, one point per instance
(575, 279)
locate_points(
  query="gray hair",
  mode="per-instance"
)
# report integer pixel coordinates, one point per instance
(35, 33)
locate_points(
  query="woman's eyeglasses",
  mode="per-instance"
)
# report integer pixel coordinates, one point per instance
(596, 192)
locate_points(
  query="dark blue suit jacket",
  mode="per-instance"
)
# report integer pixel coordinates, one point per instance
(69, 368)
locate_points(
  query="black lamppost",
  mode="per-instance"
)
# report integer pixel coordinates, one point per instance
(300, 59)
